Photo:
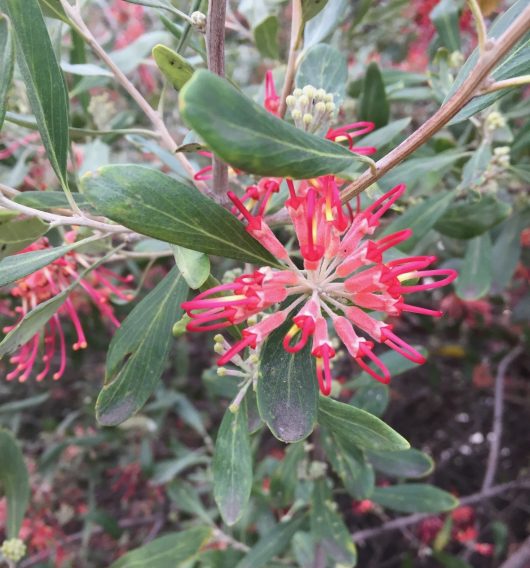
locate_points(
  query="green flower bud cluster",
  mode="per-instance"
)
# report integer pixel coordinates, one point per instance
(13, 549)
(312, 109)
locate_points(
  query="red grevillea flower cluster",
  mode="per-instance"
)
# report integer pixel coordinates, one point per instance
(343, 277)
(46, 283)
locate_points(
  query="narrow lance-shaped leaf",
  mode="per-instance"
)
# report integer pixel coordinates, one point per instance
(14, 482)
(356, 427)
(247, 137)
(472, 218)
(266, 37)
(287, 389)
(232, 465)
(409, 463)
(7, 61)
(167, 551)
(39, 316)
(15, 267)
(272, 543)
(310, 8)
(32, 323)
(20, 229)
(474, 279)
(414, 498)
(328, 528)
(373, 104)
(350, 465)
(138, 351)
(161, 207)
(43, 78)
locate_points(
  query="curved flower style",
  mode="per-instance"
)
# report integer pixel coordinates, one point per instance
(344, 275)
(47, 283)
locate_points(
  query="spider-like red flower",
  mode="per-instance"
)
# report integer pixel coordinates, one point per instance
(46, 283)
(344, 276)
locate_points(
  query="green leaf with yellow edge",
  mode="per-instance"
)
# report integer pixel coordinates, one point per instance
(287, 389)
(251, 139)
(329, 529)
(173, 66)
(138, 351)
(232, 465)
(355, 427)
(169, 551)
(414, 498)
(7, 63)
(156, 205)
(44, 80)
(14, 482)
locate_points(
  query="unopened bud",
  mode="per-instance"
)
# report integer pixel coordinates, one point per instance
(180, 327)
(308, 119)
(309, 91)
(219, 348)
(290, 101)
(198, 21)
(303, 100)
(218, 338)
(297, 92)
(221, 371)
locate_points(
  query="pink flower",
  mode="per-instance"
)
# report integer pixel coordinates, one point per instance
(47, 283)
(343, 277)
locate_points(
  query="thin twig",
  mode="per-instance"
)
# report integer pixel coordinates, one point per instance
(498, 411)
(215, 48)
(520, 558)
(74, 15)
(402, 522)
(480, 24)
(296, 34)
(496, 50)
(56, 220)
(506, 84)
